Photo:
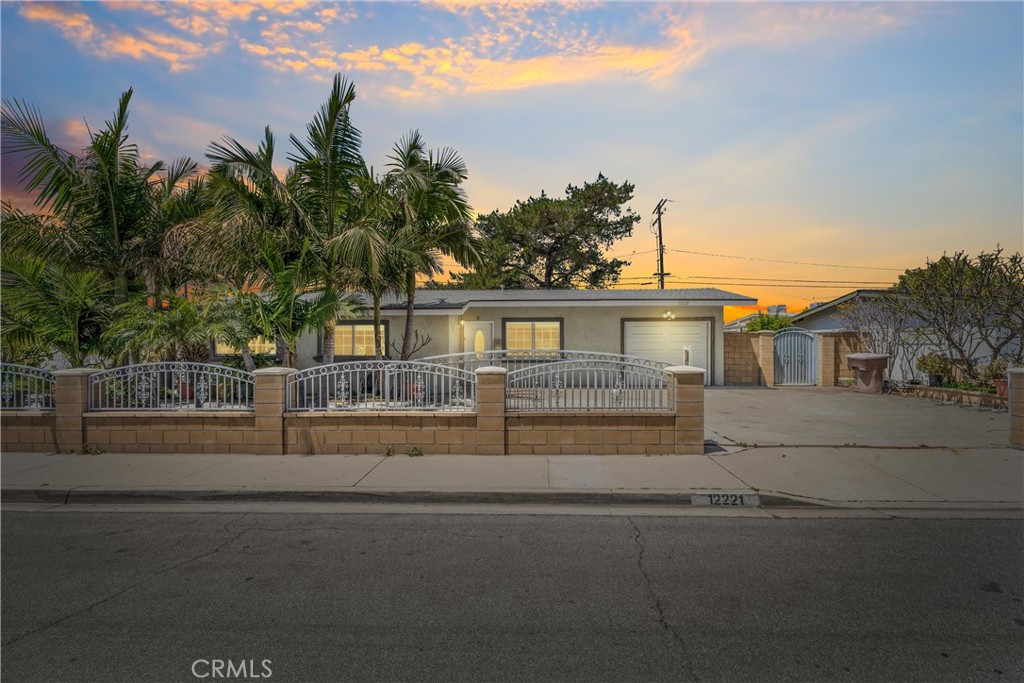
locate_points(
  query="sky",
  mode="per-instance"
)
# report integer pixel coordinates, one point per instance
(805, 149)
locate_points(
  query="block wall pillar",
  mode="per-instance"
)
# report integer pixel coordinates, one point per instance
(1016, 404)
(71, 400)
(827, 349)
(490, 411)
(766, 357)
(688, 390)
(271, 392)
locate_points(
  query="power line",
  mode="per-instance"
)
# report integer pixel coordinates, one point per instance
(748, 284)
(768, 279)
(772, 260)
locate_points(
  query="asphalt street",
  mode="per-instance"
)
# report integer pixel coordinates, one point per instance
(132, 596)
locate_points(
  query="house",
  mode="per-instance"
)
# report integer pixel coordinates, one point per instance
(826, 317)
(670, 325)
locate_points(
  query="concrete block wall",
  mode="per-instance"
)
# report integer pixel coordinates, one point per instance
(568, 433)
(846, 343)
(29, 431)
(373, 433)
(742, 367)
(172, 432)
(1016, 401)
(268, 429)
(749, 358)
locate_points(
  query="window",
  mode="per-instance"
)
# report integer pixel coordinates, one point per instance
(533, 335)
(356, 339)
(257, 345)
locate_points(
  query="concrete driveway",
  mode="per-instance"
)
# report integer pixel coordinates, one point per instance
(813, 416)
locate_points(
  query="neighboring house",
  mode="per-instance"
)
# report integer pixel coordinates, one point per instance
(670, 325)
(826, 317)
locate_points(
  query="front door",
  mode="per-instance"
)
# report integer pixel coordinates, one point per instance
(477, 337)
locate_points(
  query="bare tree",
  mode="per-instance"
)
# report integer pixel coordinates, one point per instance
(883, 326)
(971, 308)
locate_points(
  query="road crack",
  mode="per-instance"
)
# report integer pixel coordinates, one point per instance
(234, 537)
(638, 540)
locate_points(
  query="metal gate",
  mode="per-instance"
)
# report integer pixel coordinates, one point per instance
(796, 360)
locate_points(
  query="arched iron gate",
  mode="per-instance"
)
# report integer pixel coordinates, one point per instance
(796, 358)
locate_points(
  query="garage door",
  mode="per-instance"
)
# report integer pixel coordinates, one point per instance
(668, 341)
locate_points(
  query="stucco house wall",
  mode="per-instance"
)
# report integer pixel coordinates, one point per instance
(591, 320)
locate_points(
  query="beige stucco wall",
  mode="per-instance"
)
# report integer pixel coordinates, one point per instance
(585, 328)
(599, 328)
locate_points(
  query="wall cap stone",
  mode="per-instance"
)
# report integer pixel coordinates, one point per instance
(274, 371)
(76, 372)
(685, 370)
(491, 370)
(591, 413)
(10, 413)
(766, 333)
(168, 413)
(377, 413)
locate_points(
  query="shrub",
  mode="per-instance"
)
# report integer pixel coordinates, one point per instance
(935, 364)
(996, 369)
(766, 321)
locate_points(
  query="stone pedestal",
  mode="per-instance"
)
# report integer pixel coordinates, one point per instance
(490, 411)
(71, 400)
(868, 371)
(271, 386)
(688, 390)
(1016, 403)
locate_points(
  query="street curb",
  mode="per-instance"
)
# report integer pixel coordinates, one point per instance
(125, 496)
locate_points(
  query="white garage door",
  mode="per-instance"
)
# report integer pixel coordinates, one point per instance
(668, 341)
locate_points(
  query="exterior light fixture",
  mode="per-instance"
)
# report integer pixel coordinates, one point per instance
(669, 315)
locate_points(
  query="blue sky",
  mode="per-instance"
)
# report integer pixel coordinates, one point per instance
(868, 137)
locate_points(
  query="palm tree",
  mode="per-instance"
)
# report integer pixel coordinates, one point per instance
(434, 215)
(366, 247)
(50, 306)
(108, 211)
(291, 303)
(325, 167)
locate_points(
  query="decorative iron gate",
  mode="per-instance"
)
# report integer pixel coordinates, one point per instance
(796, 359)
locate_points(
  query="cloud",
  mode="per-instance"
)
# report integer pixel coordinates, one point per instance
(507, 46)
(109, 42)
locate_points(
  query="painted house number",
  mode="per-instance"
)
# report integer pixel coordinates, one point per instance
(725, 499)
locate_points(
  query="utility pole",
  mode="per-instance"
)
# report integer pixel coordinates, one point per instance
(658, 210)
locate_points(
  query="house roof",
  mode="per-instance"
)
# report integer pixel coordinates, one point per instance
(458, 299)
(829, 305)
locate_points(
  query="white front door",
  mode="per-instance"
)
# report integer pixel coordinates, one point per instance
(679, 342)
(477, 336)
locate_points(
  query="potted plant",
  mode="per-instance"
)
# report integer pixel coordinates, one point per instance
(995, 372)
(936, 366)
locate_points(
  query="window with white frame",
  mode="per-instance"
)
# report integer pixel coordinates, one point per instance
(533, 335)
(356, 339)
(259, 345)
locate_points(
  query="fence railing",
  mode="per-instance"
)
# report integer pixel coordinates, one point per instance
(383, 385)
(596, 384)
(520, 360)
(25, 388)
(172, 386)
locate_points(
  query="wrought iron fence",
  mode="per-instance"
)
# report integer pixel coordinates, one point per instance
(25, 388)
(594, 384)
(383, 385)
(520, 360)
(171, 386)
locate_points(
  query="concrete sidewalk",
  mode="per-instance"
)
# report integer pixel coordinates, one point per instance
(791, 446)
(984, 478)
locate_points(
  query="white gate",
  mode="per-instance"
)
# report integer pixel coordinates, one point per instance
(796, 359)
